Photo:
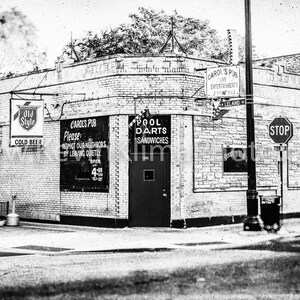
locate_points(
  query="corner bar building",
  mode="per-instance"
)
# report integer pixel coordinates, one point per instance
(129, 141)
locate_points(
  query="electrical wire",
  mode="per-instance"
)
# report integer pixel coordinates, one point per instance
(22, 81)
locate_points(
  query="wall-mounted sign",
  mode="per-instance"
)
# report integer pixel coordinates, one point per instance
(234, 159)
(233, 102)
(26, 123)
(84, 164)
(150, 134)
(223, 82)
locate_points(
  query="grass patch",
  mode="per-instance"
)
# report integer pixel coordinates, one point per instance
(261, 277)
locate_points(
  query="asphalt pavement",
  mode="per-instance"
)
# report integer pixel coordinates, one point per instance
(42, 238)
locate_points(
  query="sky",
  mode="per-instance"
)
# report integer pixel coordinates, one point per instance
(275, 23)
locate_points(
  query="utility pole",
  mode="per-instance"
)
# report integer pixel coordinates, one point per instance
(252, 221)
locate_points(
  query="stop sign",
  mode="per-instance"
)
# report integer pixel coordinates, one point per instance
(280, 130)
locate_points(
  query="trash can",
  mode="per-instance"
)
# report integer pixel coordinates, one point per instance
(270, 212)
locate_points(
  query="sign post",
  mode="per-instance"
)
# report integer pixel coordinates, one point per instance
(252, 222)
(281, 131)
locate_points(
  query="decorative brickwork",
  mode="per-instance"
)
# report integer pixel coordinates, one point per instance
(291, 63)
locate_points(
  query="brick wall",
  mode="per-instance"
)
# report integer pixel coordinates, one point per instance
(116, 86)
(32, 176)
(124, 85)
(217, 193)
(278, 95)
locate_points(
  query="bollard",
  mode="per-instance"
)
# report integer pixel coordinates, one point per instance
(13, 219)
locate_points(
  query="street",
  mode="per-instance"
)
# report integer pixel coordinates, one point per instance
(267, 270)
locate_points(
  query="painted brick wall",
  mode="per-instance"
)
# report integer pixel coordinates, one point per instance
(122, 85)
(118, 87)
(176, 142)
(32, 176)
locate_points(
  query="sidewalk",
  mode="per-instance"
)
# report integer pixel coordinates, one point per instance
(51, 239)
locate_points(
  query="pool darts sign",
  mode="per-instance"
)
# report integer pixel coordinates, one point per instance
(26, 123)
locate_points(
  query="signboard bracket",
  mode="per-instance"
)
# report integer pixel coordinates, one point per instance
(56, 107)
(43, 94)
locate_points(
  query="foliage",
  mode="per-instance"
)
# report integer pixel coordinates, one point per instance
(147, 33)
(18, 51)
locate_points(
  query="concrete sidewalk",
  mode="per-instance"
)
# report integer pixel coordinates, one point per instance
(52, 239)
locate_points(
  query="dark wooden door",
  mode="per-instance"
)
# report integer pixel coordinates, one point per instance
(149, 203)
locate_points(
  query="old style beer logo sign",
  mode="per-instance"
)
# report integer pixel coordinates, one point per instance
(28, 116)
(26, 123)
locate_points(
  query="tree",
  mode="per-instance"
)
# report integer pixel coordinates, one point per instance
(147, 33)
(18, 51)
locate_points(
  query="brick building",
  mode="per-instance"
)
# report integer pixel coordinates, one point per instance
(171, 167)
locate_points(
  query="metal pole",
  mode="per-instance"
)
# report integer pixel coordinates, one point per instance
(281, 184)
(252, 221)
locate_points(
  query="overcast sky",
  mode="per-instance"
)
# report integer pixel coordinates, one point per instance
(275, 23)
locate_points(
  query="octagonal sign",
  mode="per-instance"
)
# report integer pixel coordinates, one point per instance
(280, 130)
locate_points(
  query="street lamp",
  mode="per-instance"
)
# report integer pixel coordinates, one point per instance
(252, 222)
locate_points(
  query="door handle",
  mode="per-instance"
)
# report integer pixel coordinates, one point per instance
(165, 195)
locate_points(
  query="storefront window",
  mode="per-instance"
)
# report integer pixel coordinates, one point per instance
(234, 159)
(84, 162)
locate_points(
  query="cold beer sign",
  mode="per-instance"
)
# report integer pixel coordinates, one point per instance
(26, 123)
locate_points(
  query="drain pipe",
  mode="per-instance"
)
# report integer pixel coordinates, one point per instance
(13, 219)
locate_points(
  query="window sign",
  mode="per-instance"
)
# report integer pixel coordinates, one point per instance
(84, 162)
(150, 134)
(26, 123)
(234, 159)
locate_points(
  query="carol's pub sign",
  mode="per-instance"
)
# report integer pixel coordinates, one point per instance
(26, 123)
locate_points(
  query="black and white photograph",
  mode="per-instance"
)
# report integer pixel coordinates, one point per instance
(150, 149)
